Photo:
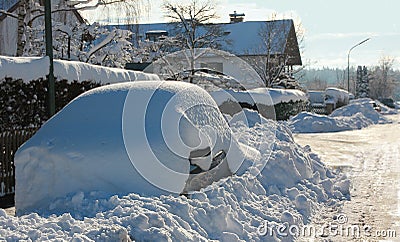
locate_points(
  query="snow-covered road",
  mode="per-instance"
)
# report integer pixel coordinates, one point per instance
(371, 158)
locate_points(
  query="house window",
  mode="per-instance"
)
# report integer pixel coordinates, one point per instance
(156, 35)
(216, 66)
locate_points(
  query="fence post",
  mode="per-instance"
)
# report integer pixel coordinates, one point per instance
(9, 144)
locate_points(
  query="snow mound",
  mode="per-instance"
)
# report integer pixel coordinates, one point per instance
(362, 106)
(306, 122)
(68, 70)
(132, 137)
(247, 116)
(293, 185)
(357, 115)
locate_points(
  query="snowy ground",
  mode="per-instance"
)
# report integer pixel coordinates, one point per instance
(371, 158)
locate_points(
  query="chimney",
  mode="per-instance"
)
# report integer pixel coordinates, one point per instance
(236, 17)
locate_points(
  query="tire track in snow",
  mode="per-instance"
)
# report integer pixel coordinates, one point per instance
(371, 158)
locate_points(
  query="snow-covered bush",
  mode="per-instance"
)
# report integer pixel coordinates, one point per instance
(23, 99)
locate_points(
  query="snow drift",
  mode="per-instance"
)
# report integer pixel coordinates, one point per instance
(293, 185)
(357, 115)
(141, 137)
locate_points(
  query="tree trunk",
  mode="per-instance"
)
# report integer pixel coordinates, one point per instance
(21, 27)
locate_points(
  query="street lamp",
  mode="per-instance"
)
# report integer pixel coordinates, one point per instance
(348, 62)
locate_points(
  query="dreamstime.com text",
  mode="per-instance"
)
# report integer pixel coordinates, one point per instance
(337, 228)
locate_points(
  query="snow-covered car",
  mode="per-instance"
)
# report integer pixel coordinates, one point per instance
(388, 102)
(337, 97)
(150, 138)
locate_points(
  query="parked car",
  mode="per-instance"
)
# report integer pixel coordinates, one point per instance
(149, 138)
(388, 102)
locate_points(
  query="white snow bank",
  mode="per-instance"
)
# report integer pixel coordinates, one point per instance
(363, 106)
(123, 138)
(306, 122)
(33, 68)
(265, 96)
(293, 185)
(357, 115)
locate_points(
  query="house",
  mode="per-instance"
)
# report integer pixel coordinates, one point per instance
(274, 42)
(9, 24)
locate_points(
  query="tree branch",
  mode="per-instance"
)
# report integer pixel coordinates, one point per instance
(9, 14)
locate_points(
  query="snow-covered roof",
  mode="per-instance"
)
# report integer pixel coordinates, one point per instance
(244, 37)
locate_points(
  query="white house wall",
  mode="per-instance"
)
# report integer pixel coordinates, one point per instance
(8, 36)
(235, 67)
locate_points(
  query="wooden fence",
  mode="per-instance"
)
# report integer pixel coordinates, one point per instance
(10, 141)
(318, 108)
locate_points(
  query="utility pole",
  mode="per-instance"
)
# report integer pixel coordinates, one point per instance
(49, 53)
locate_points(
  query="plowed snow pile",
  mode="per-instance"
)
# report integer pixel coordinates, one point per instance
(290, 188)
(357, 115)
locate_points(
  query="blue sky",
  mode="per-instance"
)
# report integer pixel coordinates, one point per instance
(331, 27)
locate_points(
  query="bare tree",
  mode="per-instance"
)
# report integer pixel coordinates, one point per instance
(271, 64)
(317, 84)
(30, 11)
(383, 82)
(192, 26)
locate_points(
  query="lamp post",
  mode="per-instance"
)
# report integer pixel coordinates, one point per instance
(49, 53)
(348, 62)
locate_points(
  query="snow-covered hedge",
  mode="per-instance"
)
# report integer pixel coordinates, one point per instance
(270, 102)
(23, 89)
(33, 68)
(24, 104)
